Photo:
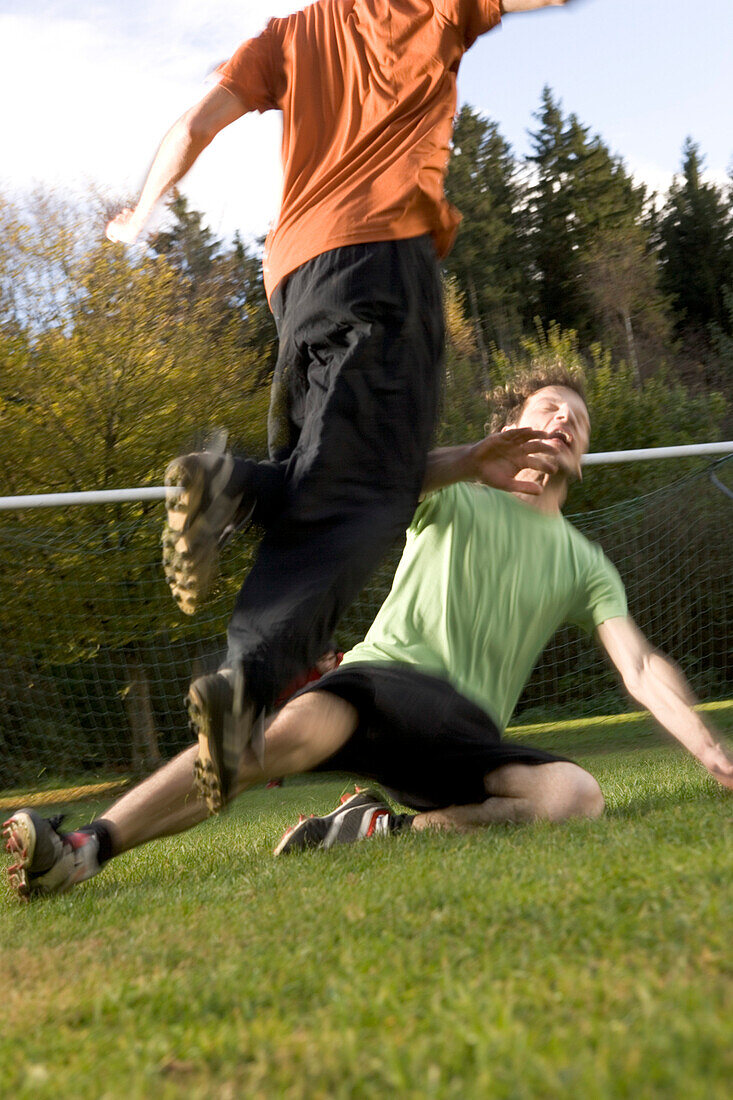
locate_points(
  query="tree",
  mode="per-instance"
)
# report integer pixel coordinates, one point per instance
(126, 370)
(188, 244)
(487, 259)
(621, 280)
(720, 363)
(463, 412)
(228, 277)
(623, 417)
(580, 192)
(696, 248)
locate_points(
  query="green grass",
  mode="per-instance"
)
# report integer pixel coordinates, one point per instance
(584, 960)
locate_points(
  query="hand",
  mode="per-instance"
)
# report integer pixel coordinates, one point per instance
(124, 229)
(498, 458)
(720, 765)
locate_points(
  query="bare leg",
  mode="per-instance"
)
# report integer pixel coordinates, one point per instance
(304, 733)
(523, 792)
(166, 802)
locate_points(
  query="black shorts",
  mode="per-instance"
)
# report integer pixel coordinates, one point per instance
(418, 737)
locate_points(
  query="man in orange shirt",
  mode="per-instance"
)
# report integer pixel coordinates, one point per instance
(367, 90)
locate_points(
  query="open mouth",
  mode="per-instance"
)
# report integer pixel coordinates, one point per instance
(564, 437)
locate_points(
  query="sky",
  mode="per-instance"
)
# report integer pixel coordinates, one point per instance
(89, 87)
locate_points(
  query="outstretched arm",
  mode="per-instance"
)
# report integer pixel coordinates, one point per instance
(510, 6)
(179, 150)
(655, 682)
(495, 460)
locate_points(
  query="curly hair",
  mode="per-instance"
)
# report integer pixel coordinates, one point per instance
(506, 403)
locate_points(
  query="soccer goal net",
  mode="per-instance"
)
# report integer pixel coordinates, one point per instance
(96, 658)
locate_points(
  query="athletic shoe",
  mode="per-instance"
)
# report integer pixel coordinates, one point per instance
(49, 862)
(358, 815)
(225, 722)
(201, 515)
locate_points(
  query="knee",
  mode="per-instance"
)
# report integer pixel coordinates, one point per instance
(308, 730)
(567, 791)
(584, 797)
(286, 740)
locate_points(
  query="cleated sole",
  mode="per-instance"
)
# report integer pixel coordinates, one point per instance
(208, 786)
(20, 840)
(48, 862)
(201, 515)
(224, 726)
(205, 773)
(188, 579)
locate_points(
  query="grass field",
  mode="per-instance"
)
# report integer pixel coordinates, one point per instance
(584, 960)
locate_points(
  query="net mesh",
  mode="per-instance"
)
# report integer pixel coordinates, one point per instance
(96, 658)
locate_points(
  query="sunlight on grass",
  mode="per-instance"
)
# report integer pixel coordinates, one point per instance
(590, 959)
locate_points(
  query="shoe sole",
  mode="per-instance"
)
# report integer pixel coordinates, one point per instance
(189, 580)
(295, 839)
(285, 846)
(20, 839)
(206, 771)
(222, 738)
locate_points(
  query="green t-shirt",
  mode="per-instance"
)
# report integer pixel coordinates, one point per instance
(484, 582)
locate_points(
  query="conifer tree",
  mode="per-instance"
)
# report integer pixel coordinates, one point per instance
(188, 244)
(487, 259)
(697, 248)
(581, 190)
(227, 277)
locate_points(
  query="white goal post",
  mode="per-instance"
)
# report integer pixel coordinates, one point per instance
(157, 492)
(96, 657)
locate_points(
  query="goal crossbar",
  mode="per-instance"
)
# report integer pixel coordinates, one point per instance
(158, 492)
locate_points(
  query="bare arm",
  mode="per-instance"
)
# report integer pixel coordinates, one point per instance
(495, 461)
(508, 7)
(655, 682)
(178, 152)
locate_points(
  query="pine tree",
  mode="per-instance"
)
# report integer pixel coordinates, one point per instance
(487, 259)
(697, 248)
(581, 190)
(227, 278)
(188, 244)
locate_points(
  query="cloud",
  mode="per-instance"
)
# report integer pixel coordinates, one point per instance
(659, 179)
(93, 89)
(89, 88)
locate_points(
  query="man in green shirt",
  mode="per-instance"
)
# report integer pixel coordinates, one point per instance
(486, 578)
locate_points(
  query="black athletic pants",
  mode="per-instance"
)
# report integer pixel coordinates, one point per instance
(352, 411)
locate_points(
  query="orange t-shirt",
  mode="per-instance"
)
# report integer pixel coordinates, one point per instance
(367, 89)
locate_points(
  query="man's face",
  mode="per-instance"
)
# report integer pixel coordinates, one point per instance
(562, 413)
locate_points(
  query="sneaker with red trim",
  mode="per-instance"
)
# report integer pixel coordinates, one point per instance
(357, 816)
(48, 862)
